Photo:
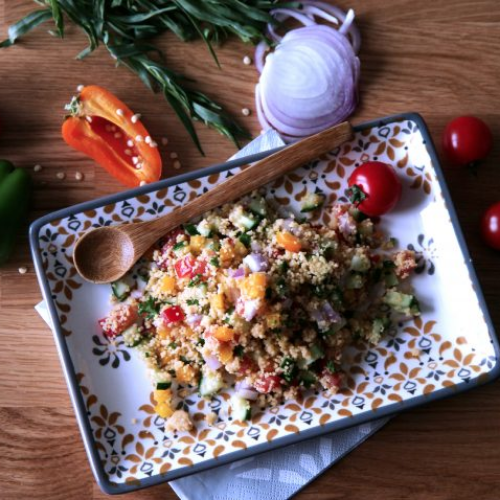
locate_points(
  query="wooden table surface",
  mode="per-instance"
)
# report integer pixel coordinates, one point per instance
(440, 58)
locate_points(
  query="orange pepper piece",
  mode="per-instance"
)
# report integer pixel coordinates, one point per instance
(288, 241)
(254, 286)
(101, 126)
(224, 333)
(225, 352)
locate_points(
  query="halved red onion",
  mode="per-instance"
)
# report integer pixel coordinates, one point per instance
(212, 361)
(256, 262)
(309, 83)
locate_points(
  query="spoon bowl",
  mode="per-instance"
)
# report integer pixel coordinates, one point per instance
(103, 254)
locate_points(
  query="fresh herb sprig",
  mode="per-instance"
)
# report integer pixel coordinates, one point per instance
(125, 26)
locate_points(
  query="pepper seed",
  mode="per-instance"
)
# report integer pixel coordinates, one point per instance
(245, 112)
(130, 143)
(139, 138)
(247, 61)
(119, 112)
(78, 176)
(135, 118)
(61, 175)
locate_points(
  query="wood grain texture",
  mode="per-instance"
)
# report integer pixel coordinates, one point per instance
(438, 58)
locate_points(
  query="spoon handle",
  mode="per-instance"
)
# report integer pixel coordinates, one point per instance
(249, 179)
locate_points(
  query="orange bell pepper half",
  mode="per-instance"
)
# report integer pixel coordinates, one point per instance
(105, 129)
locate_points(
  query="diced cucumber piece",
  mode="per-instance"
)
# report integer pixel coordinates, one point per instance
(379, 326)
(120, 289)
(240, 408)
(132, 337)
(247, 221)
(311, 202)
(258, 206)
(354, 281)
(391, 279)
(191, 229)
(210, 382)
(307, 378)
(317, 352)
(204, 229)
(360, 263)
(403, 303)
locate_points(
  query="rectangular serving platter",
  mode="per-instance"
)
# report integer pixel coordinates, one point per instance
(452, 347)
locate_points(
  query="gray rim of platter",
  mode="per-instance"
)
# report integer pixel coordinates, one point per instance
(367, 416)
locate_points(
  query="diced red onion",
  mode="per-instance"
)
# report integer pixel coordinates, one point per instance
(255, 246)
(136, 294)
(287, 303)
(256, 262)
(317, 315)
(329, 313)
(242, 384)
(193, 319)
(250, 308)
(237, 273)
(212, 361)
(347, 225)
(249, 394)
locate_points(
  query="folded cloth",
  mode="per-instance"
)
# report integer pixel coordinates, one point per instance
(278, 474)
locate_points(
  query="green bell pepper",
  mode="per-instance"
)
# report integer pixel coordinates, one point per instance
(15, 193)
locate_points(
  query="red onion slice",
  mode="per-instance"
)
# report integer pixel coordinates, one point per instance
(256, 262)
(212, 361)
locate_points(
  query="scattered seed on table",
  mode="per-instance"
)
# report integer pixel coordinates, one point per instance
(135, 118)
(164, 141)
(23, 270)
(80, 88)
(247, 60)
(78, 176)
(61, 175)
(245, 112)
(177, 164)
(37, 168)
(174, 155)
(313, 176)
(134, 421)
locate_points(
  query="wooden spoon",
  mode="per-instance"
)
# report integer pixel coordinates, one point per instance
(105, 254)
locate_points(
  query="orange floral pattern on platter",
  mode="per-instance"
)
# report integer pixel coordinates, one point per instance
(414, 360)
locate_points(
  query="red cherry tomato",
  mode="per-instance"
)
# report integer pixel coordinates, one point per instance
(189, 267)
(331, 380)
(490, 226)
(378, 188)
(467, 140)
(172, 314)
(267, 383)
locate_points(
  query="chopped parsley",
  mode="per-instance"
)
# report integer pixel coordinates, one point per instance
(289, 369)
(184, 360)
(150, 308)
(172, 345)
(195, 281)
(192, 302)
(161, 386)
(179, 245)
(215, 261)
(201, 342)
(238, 351)
(191, 229)
(245, 239)
(331, 366)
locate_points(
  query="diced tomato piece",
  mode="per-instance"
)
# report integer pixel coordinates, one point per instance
(246, 365)
(267, 383)
(170, 239)
(172, 314)
(118, 320)
(189, 267)
(331, 380)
